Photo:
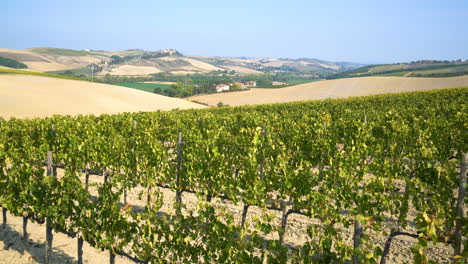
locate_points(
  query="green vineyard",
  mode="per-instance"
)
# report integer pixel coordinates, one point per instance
(359, 168)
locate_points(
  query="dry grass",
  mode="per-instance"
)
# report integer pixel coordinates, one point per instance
(47, 62)
(27, 96)
(202, 65)
(331, 89)
(242, 70)
(131, 70)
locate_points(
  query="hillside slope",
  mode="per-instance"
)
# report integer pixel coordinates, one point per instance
(137, 62)
(424, 68)
(44, 60)
(36, 96)
(331, 89)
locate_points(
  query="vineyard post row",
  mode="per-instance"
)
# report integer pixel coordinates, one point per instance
(49, 236)
(358, 229)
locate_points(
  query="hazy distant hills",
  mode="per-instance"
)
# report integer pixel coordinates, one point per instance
(303, 65)
(138, 62)
(422, 68)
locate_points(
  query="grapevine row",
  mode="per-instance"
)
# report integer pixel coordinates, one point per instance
(317, 158)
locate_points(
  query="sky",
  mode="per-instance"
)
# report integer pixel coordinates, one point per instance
(367, 31)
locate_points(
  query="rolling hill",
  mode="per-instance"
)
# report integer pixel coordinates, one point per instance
(271, 65)
(28, 96)
(138, 62)
(47, 59)
(331, 89)
(424, 68)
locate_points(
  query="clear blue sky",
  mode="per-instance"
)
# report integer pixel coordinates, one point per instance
(360, 31)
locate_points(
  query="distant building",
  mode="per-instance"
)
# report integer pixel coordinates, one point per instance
(168, 51)
(278, 83)
(250, 83)
(222, 88)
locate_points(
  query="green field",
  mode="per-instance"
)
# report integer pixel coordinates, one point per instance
(147, 87)
(85, 71)
(64, 52)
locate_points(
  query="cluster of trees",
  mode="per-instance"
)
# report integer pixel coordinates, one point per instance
(283, 68)
(188, 85)
(176, 90)
(116, 60)
(151, 55)
(434, 61)
(440, 74)
(12, 63)
(265, 80)
(185, 89)
(189, 88)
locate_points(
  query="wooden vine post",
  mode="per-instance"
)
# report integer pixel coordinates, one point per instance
(111, 257)
(284, 219)
(245, 210)
(358, 231)
(104, 173)
(87, 177)
(80, 249)
(246, 206)
(461, 206)
(49, 236)
(25, 228)
(4, 211)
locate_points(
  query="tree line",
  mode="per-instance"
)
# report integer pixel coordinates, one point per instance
(12, 63)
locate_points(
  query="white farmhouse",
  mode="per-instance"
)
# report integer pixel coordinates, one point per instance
(222, 87)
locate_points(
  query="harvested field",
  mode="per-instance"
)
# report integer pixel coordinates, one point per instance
(131, 70)
(181, 72)
(331, 89)
(202, 65)
(48, 62)
(242, 70)
(22, 57)
(26, 96)
(52, 66)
